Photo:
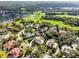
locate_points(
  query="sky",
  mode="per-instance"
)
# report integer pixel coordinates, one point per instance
(39, 0)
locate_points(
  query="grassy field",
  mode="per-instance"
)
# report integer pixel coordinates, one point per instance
(68, 16)
(62, 24)
(37, 17)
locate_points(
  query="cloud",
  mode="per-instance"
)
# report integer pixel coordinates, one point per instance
(39, 0)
